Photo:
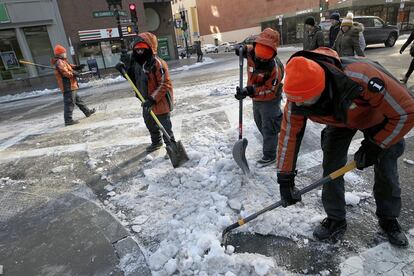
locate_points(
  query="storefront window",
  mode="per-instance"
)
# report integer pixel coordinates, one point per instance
(10, 54)
(39, 44)
(91, 51)
(111, 51)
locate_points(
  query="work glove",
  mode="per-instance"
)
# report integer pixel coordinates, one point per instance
(76, 73)
(120, 66)
(79, 67)
(237, 50)
(243, 93)
(288, 193)
(147, 104)
(367, 154)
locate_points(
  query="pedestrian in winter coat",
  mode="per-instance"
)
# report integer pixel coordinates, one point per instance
(347, 41)
(313, 37)
(411, 68)
(347, 95)
(334, 29)
(199, 52)
(265, 74)
(150, 75)
(66, 74)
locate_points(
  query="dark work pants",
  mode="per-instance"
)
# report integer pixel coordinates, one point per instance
(153, 128)
(335, 143)
(70, 98)
(410, 69)
(268, 117)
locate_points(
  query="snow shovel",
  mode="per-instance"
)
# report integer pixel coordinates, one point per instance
(350, 166)
(239, 148)
(175, 150)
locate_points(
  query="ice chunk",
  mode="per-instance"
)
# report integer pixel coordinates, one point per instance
(351, 199)
(408, 161)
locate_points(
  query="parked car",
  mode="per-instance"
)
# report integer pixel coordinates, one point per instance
(209, 48)
(226, 47)
(375, 30)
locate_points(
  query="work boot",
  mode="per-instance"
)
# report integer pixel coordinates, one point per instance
(394, 233)
(91, 111)
(330, 229)
(73, 122)
(265, 161)
(154, 147)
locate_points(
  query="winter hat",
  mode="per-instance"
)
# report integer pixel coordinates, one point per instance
(348, 20)
(310, 21)
(141, 45)
(335, 16)
(304, 79)
(59, 49)
(263, 51)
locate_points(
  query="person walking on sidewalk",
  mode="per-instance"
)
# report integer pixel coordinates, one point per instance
(265, 74)
(350, 38)
(150, 74)
(199, 51)
(411, 68)
(347, 95)
(313, 37)
(66, 74)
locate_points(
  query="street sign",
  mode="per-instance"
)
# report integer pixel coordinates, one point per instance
(4, 16)
(98, 14)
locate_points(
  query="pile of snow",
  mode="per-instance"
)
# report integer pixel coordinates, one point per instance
(206, 60)
(38, 93)
(27, 95)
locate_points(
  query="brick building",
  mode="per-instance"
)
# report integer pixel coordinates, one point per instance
(233, 20)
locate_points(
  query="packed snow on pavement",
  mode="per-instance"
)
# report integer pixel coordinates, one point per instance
(178, 215)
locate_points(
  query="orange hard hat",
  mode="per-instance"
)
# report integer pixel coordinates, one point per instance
(59, 49)
(305, 79)
(263, 51)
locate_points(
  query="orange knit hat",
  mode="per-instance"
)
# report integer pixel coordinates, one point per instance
(304, 80)
(141, 45)
(59, 49)
(263, 51)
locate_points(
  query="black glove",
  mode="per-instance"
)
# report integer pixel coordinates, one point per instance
(120, 66)
(76, 73)
(149, 102)
(237, 50)
(79, 67)
(367, 154)
(288, 193)
(243, 93)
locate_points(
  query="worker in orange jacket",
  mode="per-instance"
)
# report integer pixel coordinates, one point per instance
(264, 86)
(347, 95)
(66, 74)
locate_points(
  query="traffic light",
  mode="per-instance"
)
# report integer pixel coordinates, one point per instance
(133, 12)
(130, 29)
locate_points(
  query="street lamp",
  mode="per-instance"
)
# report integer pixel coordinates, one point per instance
(184, 27)
(115, 4)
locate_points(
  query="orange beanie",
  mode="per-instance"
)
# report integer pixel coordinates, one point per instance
(263, 51)
(141, 45)
(304, 80)
(59, 49)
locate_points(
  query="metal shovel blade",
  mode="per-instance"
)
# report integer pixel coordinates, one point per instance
(239, 155)
(177, 153)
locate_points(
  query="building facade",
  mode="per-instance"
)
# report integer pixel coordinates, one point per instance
(231, 20)
(93, 36)
(189, 8)
(28, 29)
